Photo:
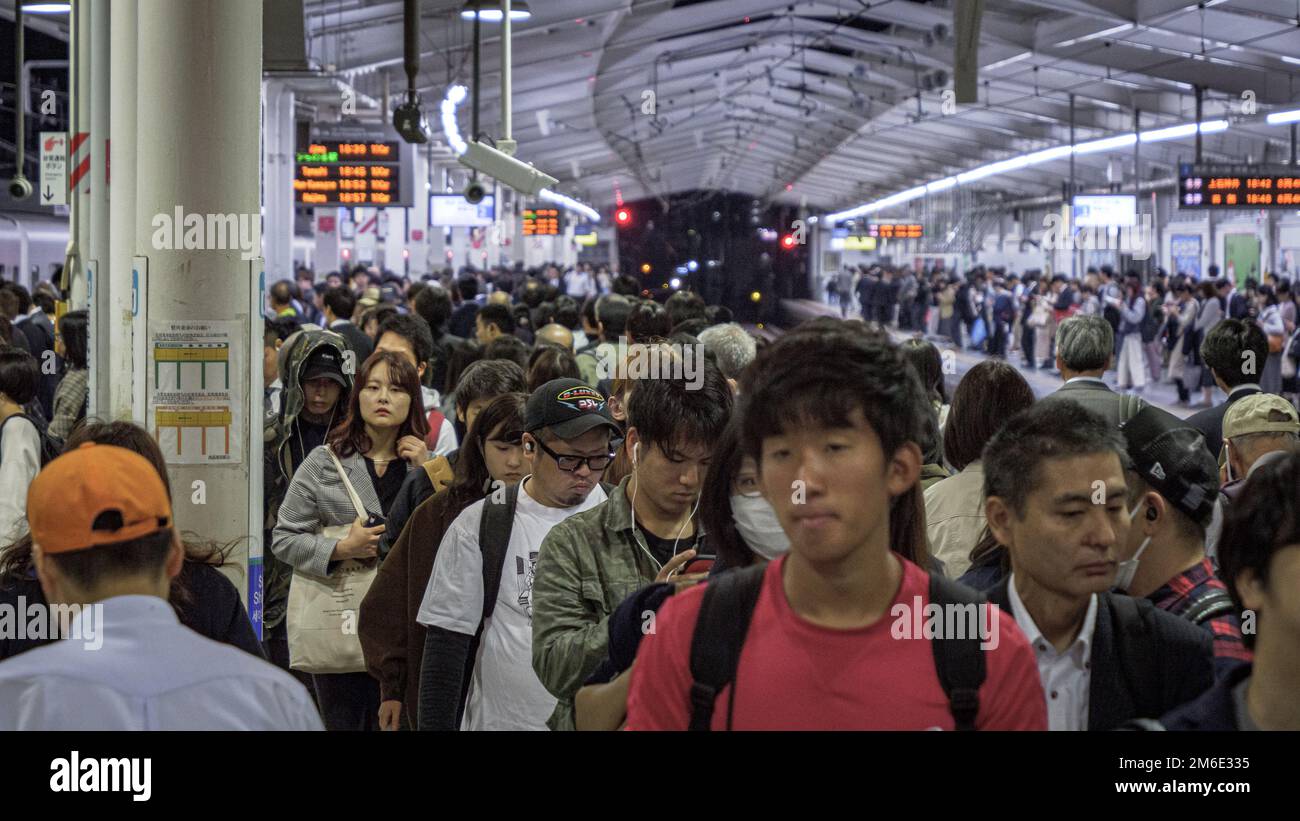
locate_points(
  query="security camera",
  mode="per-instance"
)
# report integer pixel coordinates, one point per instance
(475, 192)
(20, 188)
(409, 121)
(509, 171)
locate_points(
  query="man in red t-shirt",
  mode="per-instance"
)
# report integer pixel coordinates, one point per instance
(833, 416)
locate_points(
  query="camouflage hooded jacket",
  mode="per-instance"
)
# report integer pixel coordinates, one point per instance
(277, 455)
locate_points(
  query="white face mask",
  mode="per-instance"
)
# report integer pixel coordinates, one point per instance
(759, 527)
(1129, 568)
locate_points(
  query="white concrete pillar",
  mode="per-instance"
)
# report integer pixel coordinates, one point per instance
(96, 256)
(278, 167)
(326, 227)
(79, 148)
(124, 318)
(395, 240)
(198, 97)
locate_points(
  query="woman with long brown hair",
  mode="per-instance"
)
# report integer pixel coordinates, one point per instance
(381, 438)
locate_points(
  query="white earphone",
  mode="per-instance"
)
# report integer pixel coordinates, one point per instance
(635, 449)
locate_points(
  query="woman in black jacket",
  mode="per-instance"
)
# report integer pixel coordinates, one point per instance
(204, 599)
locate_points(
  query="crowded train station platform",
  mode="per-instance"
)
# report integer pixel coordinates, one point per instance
(384, 366)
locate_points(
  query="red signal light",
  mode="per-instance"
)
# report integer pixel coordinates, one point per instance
(787, 242)
(623, 216)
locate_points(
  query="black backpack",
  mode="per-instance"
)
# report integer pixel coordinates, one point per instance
(723, 622)
(49, 450)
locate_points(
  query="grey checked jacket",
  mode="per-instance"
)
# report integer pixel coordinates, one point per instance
(317, 498)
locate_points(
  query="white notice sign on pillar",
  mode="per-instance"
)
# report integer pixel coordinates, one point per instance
(54, 168)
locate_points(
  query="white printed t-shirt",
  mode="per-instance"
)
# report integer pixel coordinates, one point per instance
(504, 692)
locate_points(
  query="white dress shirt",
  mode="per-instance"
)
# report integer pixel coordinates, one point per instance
(1066, 675)
(150, 673)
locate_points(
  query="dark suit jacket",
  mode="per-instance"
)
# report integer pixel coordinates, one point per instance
(357, 341)
(1145, 662)
(462, 319)
(1099, 398)
(1210, 421)
(40, 338)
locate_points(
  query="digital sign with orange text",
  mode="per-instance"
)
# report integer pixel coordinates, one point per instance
(348, 174)
(1238, 186)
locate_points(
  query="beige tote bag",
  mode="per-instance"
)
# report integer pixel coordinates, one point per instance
(322, 613)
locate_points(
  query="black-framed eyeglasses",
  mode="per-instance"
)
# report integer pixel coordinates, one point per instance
(570, 462)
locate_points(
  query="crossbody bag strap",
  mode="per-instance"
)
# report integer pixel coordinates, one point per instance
(352, 493)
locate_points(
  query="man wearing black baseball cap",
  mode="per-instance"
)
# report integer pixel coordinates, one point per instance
(1172, 489)
(568, 443)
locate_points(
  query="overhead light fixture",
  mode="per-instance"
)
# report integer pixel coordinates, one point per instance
(482, 8)
(1292, 60)
(1105, 144)
(1284, 117)
(46, 8)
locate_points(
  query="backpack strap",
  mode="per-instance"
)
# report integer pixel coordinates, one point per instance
(719, 636)
(494, 540)
(1210, 604)
(959, 662)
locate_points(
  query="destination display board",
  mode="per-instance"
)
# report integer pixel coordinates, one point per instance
(541, 222)
(349, 174)
(1238, 186)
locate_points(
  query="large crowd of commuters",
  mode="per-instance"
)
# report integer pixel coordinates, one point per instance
(545, 541)
(1159, 321)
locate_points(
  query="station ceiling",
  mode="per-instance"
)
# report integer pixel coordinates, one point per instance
(829, 102)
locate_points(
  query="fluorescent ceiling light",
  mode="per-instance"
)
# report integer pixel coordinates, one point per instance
(1105, 144)
(940, 185)
(490, 12)
(1284, 117)
(569, 203)
(455, 96)
(1292, 60)
(46, 8)
(1214, 126)
(1173, 132)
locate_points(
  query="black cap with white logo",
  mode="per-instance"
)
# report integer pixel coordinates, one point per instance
(1171, 457)
(324, 363)
(569, 407)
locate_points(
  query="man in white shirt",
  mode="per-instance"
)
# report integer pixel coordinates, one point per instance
(1056, 492)
(579, 283)
(105, 551)
(567, 442)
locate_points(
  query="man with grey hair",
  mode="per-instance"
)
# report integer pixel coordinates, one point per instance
(732, 346)
(1085, 348)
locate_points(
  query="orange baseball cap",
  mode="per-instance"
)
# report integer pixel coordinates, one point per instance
(84, 488)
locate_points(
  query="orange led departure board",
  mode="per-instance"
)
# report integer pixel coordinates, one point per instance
(1238, 186)
(349, 174)
(541, 222)
(895, 230)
